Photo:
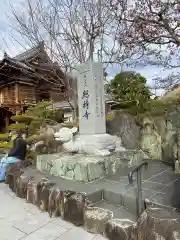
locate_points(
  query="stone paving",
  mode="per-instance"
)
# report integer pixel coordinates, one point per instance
(20, 220)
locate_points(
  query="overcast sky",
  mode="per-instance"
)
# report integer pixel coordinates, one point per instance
(149, 72)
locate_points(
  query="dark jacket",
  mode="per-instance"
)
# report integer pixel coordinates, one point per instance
(19, 149)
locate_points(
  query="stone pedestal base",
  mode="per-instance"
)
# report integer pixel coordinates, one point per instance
(87, 168)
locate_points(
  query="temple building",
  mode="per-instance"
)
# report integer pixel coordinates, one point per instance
(26, 79)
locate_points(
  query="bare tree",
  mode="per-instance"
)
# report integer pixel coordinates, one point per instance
(167, 83)
(155, 28)
(73, 31)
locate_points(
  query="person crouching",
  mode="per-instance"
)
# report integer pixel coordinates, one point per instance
(15, 155)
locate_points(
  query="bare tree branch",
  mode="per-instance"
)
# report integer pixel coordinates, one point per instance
(73, 31)
(167, 83)
(154, 27)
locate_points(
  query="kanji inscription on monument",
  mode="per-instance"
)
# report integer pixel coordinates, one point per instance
(91, 104)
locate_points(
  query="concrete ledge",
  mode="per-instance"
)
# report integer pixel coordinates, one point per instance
(87, 168)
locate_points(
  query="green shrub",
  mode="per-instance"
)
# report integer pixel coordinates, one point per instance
(35, 125)
(158, 107)
(17, 127)
(4, 136)
(56, 115)
(38, 110)
(123, 105)
(59, 115)
(130, 88)
(6, 145)
(23, 118)
(44, 113)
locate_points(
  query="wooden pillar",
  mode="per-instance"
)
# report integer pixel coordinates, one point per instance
(1, 97)
(17, 93)
(6, 122)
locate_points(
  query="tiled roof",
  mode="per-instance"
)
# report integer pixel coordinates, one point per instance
(16, 62)
(31, 53)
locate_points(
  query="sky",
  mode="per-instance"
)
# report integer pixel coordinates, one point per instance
(149, 72)
(4, 26)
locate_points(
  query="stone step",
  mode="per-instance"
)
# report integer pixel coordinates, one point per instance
(117, 191)
(159, 183)
(122, 194)
(118, 211)
(93, 193)
(122, 197)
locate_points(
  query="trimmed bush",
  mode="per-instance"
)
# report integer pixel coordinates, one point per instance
(24, 118)
(58, 115)
(35, 125)
(17, 127)
(4, 136)
(6, 145)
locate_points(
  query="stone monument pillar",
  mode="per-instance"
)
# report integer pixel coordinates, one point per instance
(92, 138)
(91, 103)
